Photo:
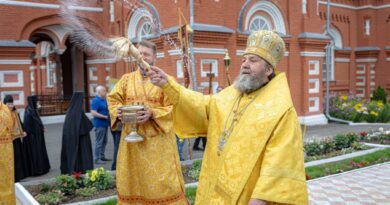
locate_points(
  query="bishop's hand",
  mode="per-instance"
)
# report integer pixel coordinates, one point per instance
(157, 76)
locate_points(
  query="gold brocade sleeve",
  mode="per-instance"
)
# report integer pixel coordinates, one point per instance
(282, 176)
(115, 99)
(190, 110)
(161, 122)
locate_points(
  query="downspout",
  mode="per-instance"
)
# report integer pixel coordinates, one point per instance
(194, 80)
(328, 64)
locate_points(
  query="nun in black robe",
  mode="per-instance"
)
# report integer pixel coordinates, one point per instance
(35, 140)
(76, 153)
(20, 156)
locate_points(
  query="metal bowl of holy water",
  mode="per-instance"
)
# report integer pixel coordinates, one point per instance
(129, 116)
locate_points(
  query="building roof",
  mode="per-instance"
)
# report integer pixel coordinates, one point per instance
(313, 35)
(10, 43)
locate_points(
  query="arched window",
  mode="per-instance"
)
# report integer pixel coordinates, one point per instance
(141, 25)
(260, 23)
(272, 21)
(145, 30)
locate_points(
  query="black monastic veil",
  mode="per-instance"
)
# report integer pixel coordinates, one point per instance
(76, 153)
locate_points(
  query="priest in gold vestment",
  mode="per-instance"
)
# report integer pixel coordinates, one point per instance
(254, 151)
(7, 188)
(148, 172)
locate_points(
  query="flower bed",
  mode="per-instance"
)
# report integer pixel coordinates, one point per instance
(358, 110)
(376, 137)
(94, 184)
(330, 147)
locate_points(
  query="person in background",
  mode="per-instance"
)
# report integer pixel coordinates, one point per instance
(34, 142)
(20, 155)
(116, 135)
(99, 111)
(76, 152)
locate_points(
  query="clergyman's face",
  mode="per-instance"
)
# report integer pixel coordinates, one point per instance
(147, 54)
(254, 73)
(10, 105)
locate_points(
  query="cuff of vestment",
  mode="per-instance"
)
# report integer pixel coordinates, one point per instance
(281, 190)
(172, 90)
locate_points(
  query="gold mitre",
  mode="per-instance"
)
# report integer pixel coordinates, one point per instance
(266, 44)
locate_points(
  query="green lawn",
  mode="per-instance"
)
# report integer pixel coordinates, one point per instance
(345, 165)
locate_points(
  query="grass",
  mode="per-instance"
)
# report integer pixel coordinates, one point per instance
(110, 202)
(346, 165)
(190, 194)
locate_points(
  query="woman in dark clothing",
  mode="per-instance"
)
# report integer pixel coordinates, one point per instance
(76, 153)
(35, 140)
(20, 156)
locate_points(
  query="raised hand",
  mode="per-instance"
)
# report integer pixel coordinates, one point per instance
(157, 76)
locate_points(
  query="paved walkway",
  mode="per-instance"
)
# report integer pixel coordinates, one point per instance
(367, 186)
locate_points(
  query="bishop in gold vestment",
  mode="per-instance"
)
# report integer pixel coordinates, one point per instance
(148, 172)
(7, 188)
(254, 150)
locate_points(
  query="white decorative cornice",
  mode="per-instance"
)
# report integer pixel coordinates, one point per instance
(342, 60)
(101, 61)
(355, 7)
(48, 6)
(312, 54)
(219, 51)
(241, 52)
(161, 55)
(366, 60)
(15, 62)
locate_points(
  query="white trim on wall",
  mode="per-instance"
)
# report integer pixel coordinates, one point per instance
(15, 62)
(316, 106)
(214, 67)
(20, 101)
(91, 76)
(219, 51)
(313, 120)
(49, 6)
(19, 74)
(355, 7)
(241, 53)
(316, 88)
(101, 61)
(161, 55)
(313, 54)
(316, 70)
(342, 60)
(366, 60)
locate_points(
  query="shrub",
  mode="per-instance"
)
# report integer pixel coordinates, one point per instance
(327, 145)
(66, 184)
(99, 178)
(341, 142)
(45, 188)
(194, 172)
(50, 198)
(85, 192)
(379, 95)
(312, 149)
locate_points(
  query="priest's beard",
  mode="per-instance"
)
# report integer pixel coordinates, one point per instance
(246, 83)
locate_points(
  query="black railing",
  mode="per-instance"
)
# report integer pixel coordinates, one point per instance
(57, 104)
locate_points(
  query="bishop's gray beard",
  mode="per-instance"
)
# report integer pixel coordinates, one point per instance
(246, 83)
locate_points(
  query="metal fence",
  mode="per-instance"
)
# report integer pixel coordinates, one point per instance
(57, 104)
